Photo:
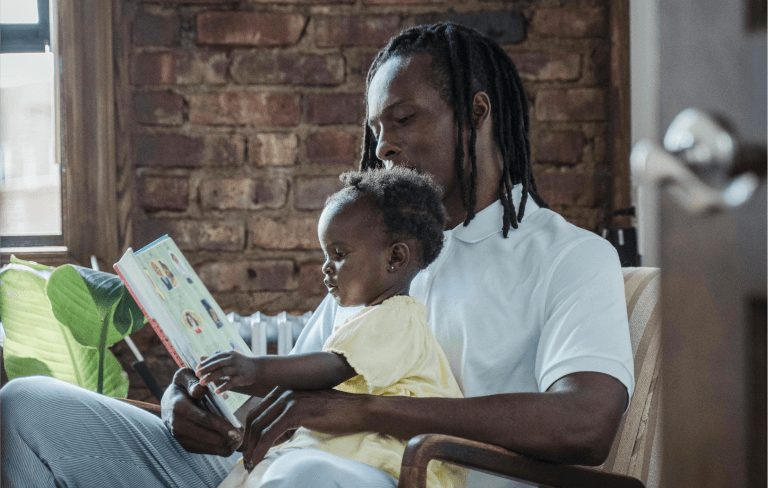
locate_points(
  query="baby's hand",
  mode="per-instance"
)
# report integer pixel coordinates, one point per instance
(229, 370)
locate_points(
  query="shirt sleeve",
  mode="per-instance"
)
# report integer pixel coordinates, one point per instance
(381, 345)
(586, 326)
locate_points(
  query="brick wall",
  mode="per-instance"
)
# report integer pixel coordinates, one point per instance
(245, 112)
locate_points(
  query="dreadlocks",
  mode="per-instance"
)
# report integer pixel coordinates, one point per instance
(465, 62)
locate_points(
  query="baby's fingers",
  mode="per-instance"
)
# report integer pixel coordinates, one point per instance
(226, 385)
(213, 364)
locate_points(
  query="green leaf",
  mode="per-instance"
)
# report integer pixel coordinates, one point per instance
(36, 343)
(86, 300)
(31, 264)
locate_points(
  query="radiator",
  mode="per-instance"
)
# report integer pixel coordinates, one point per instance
(260, 329)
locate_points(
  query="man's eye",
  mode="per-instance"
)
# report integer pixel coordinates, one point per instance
(404, 119)
(340, 254)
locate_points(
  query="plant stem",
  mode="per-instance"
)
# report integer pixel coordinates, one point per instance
(105, 324)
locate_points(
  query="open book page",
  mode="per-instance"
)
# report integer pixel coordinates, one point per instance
(175, 299)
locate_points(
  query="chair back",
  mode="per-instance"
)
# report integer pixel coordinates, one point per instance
(636, 451)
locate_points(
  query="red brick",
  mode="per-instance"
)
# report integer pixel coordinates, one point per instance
(244, 108)
(543, 66)
(160, 108)
(310, 2)
(157, 29)
(177, 150)
(332, 148)
(597, 65)
(311, 280)
(179, 68)
(248, 276)
(571, 22)
(249, 28)
(198, 2)
(292, 234)
(311, 193)
(402, 2)
(164, 193)
(334, 108)
(566, 189)
(560, 147)
(243, 193)
(356, 30)
(193, 235)
(272, 149)
(578, 104)
(278, 68)
(364, 62)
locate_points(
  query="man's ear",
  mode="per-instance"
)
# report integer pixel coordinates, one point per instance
(399, 257)
(481, 109)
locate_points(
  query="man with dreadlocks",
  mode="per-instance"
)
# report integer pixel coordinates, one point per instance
(528, 308)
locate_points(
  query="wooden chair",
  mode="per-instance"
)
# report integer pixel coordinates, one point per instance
(634, 460)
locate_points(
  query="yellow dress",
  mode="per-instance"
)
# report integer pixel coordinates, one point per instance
(392, 349)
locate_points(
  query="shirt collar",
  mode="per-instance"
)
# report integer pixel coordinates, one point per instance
(488, 221)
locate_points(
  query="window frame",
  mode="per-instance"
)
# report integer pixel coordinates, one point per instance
(28, 38)
(82, 43)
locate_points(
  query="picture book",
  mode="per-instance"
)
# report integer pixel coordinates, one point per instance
(184, 314)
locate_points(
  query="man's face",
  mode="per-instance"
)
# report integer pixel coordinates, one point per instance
(413, 126)
(356, 258)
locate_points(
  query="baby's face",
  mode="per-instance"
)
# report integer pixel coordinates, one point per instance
(356, 255)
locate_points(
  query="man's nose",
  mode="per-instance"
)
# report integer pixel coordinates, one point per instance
(386, 149)
(327, 267)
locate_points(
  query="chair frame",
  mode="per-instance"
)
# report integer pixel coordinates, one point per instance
(499, 462)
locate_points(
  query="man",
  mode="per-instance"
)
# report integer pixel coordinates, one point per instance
(532, 318)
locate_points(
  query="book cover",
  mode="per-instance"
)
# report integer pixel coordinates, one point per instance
(183, 313)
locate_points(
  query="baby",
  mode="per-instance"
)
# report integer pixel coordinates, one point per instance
(376, 234)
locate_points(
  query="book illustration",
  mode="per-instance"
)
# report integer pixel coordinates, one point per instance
(168, 273)
(214, 316)
(154, 285)
(163, 279)
(193, 321)
(235, 347)
(180, 266)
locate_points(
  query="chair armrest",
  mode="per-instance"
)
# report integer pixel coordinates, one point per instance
(150, 407)
(500, 462)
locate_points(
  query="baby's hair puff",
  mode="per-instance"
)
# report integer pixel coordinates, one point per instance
(408, 202)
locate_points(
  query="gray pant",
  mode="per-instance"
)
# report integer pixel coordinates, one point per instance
(58, 435)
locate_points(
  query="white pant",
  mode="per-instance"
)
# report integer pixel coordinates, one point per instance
(299, 468)
(58, 435)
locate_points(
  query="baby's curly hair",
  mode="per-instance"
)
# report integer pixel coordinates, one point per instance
(409, 203)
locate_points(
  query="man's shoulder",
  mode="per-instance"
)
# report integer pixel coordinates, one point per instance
(548, 233)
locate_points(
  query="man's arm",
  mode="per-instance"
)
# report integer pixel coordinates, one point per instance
(575, 421)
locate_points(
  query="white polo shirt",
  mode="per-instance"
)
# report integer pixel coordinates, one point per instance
(517, 314)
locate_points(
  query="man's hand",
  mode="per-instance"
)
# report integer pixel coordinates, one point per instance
(197, 430)
(283, 410)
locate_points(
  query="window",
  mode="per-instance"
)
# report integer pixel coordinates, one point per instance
(30, 176)
(73, 40)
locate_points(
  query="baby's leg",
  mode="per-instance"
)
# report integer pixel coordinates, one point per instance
(240, 478)
(290, 468)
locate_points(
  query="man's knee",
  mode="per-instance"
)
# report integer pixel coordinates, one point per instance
(24, 397)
